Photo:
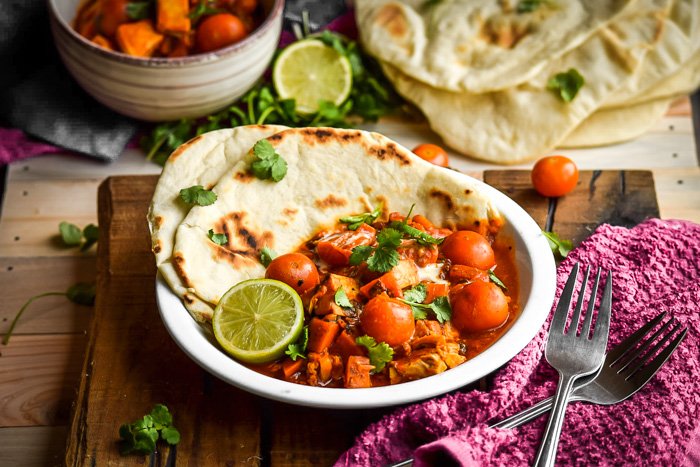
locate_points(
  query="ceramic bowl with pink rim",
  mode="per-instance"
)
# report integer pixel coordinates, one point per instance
(159, 89)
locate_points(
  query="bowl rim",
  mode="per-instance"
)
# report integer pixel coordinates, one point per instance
(164, 62)
(192, 338)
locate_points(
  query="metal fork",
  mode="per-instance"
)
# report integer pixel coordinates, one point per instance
(572, 354)
(627, 368)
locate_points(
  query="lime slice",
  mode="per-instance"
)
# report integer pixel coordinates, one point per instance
(257, 319)
(309, 71)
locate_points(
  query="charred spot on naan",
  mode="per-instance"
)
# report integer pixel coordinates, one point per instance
(387, 152)
(178, 264)
(329, 202)
(392, 19)
(243, 241)
(503, 32)
(444, 198)
(244, 176)
(183, 147)
(156, 246)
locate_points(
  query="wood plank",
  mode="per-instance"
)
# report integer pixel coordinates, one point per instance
(37, 446)
(22, 278)
(38, 377)
(678, 192)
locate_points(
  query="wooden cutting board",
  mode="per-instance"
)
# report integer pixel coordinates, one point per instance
(132, 363)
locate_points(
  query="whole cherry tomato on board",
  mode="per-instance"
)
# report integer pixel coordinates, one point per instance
(220, 30)
(388, 320)
(554, 176)
(295, 270)
(469, 249)
(432, 153)
(479, 306)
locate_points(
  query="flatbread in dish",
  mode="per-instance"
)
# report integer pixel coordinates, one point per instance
(200, 161)
(478, 45)
(330, 173)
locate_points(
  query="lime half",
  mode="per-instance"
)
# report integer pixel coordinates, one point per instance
(257, 319)
(309, 71)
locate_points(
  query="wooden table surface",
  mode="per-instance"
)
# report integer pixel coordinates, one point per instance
(40, 368)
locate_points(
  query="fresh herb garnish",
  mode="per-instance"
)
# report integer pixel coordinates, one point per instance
(379, 353)
(566, 84)
(218, 238)
(424, 238)
(71, 235)
(81, 293)
(203, 8)
(384, 256)
(354, 222)
(197, 195)
(494, 278)
(142, 435)
(528, 6)
(560, 248)
(138, 10)
(267, 255)
(267, 164)
(341, 299)
(298, 348)
(415, 297)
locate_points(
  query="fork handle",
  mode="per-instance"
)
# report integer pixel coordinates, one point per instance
(547, 452)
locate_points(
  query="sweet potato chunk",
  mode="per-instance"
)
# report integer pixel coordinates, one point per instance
(357, 372)
(138, 39)
(321, 334)
(173, 16)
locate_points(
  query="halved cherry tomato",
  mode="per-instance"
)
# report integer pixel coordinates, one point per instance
(479, 306)
(336, 248)
(470, 249)
(554, 176)
(388, 320)
(432, 153)
(295, 270)
(220, 30)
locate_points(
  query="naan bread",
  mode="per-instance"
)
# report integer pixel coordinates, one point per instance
(200, 161)
(528, 120)
(478, 45)
(331, 173)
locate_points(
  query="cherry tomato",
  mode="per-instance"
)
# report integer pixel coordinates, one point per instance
(432, 153)
(112, 14)
(388, 320)
(220, 30)
(295, 270)
(470, 249)
(479, 306)
(554, 176)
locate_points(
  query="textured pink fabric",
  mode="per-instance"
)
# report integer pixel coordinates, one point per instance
(656, 266)
(15, 146)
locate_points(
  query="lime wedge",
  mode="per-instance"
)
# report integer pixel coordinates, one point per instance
(309, 71)
(257, 319)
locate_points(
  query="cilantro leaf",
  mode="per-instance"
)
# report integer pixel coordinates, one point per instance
(424, 238)
(383, 259)
(267, 164)
(379, 353)
(354, 222)
(560, 248)
(341, 299)
(360, 253)
(416, 295)
(142, 435)
(219, 239)
(161, 416)
(566, 84)
(196, 194)
(298, 348)
(203, 8)
(170, 435)
(442, 309)
(528, 6)
(91, 234)
(267, 255)
(138, 10)
(70, 233)
(82, 293)
(494, 278)
(440, 306)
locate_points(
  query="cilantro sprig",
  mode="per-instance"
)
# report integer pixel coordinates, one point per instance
(566, 84)
(415, 297)
(218, 238)
(354, 222)
(380, 258)
(72, 235)
(196, 194)
(298, 349)
(142, 435)
(424, 238)
(267, 165)
(559, 247)
(379, 353)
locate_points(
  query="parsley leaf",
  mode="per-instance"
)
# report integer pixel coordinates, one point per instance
(566, 84)
(415, 297)
(142, 435)
(70, 233)
(341, 299)
(219, 239)
(267, 255)
(298, 348)
(196, 194)
(385, 256)
(354, 222)
(379, 353)
(267, 164)
(494, 278)
(560, 248)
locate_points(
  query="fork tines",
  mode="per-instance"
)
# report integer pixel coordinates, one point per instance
(575, 325)
(640, 362)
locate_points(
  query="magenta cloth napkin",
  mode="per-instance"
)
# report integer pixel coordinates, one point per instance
(15, 146)
(656, 266)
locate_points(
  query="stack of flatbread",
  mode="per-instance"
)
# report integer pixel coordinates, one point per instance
(331, 173)
(479, 69)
